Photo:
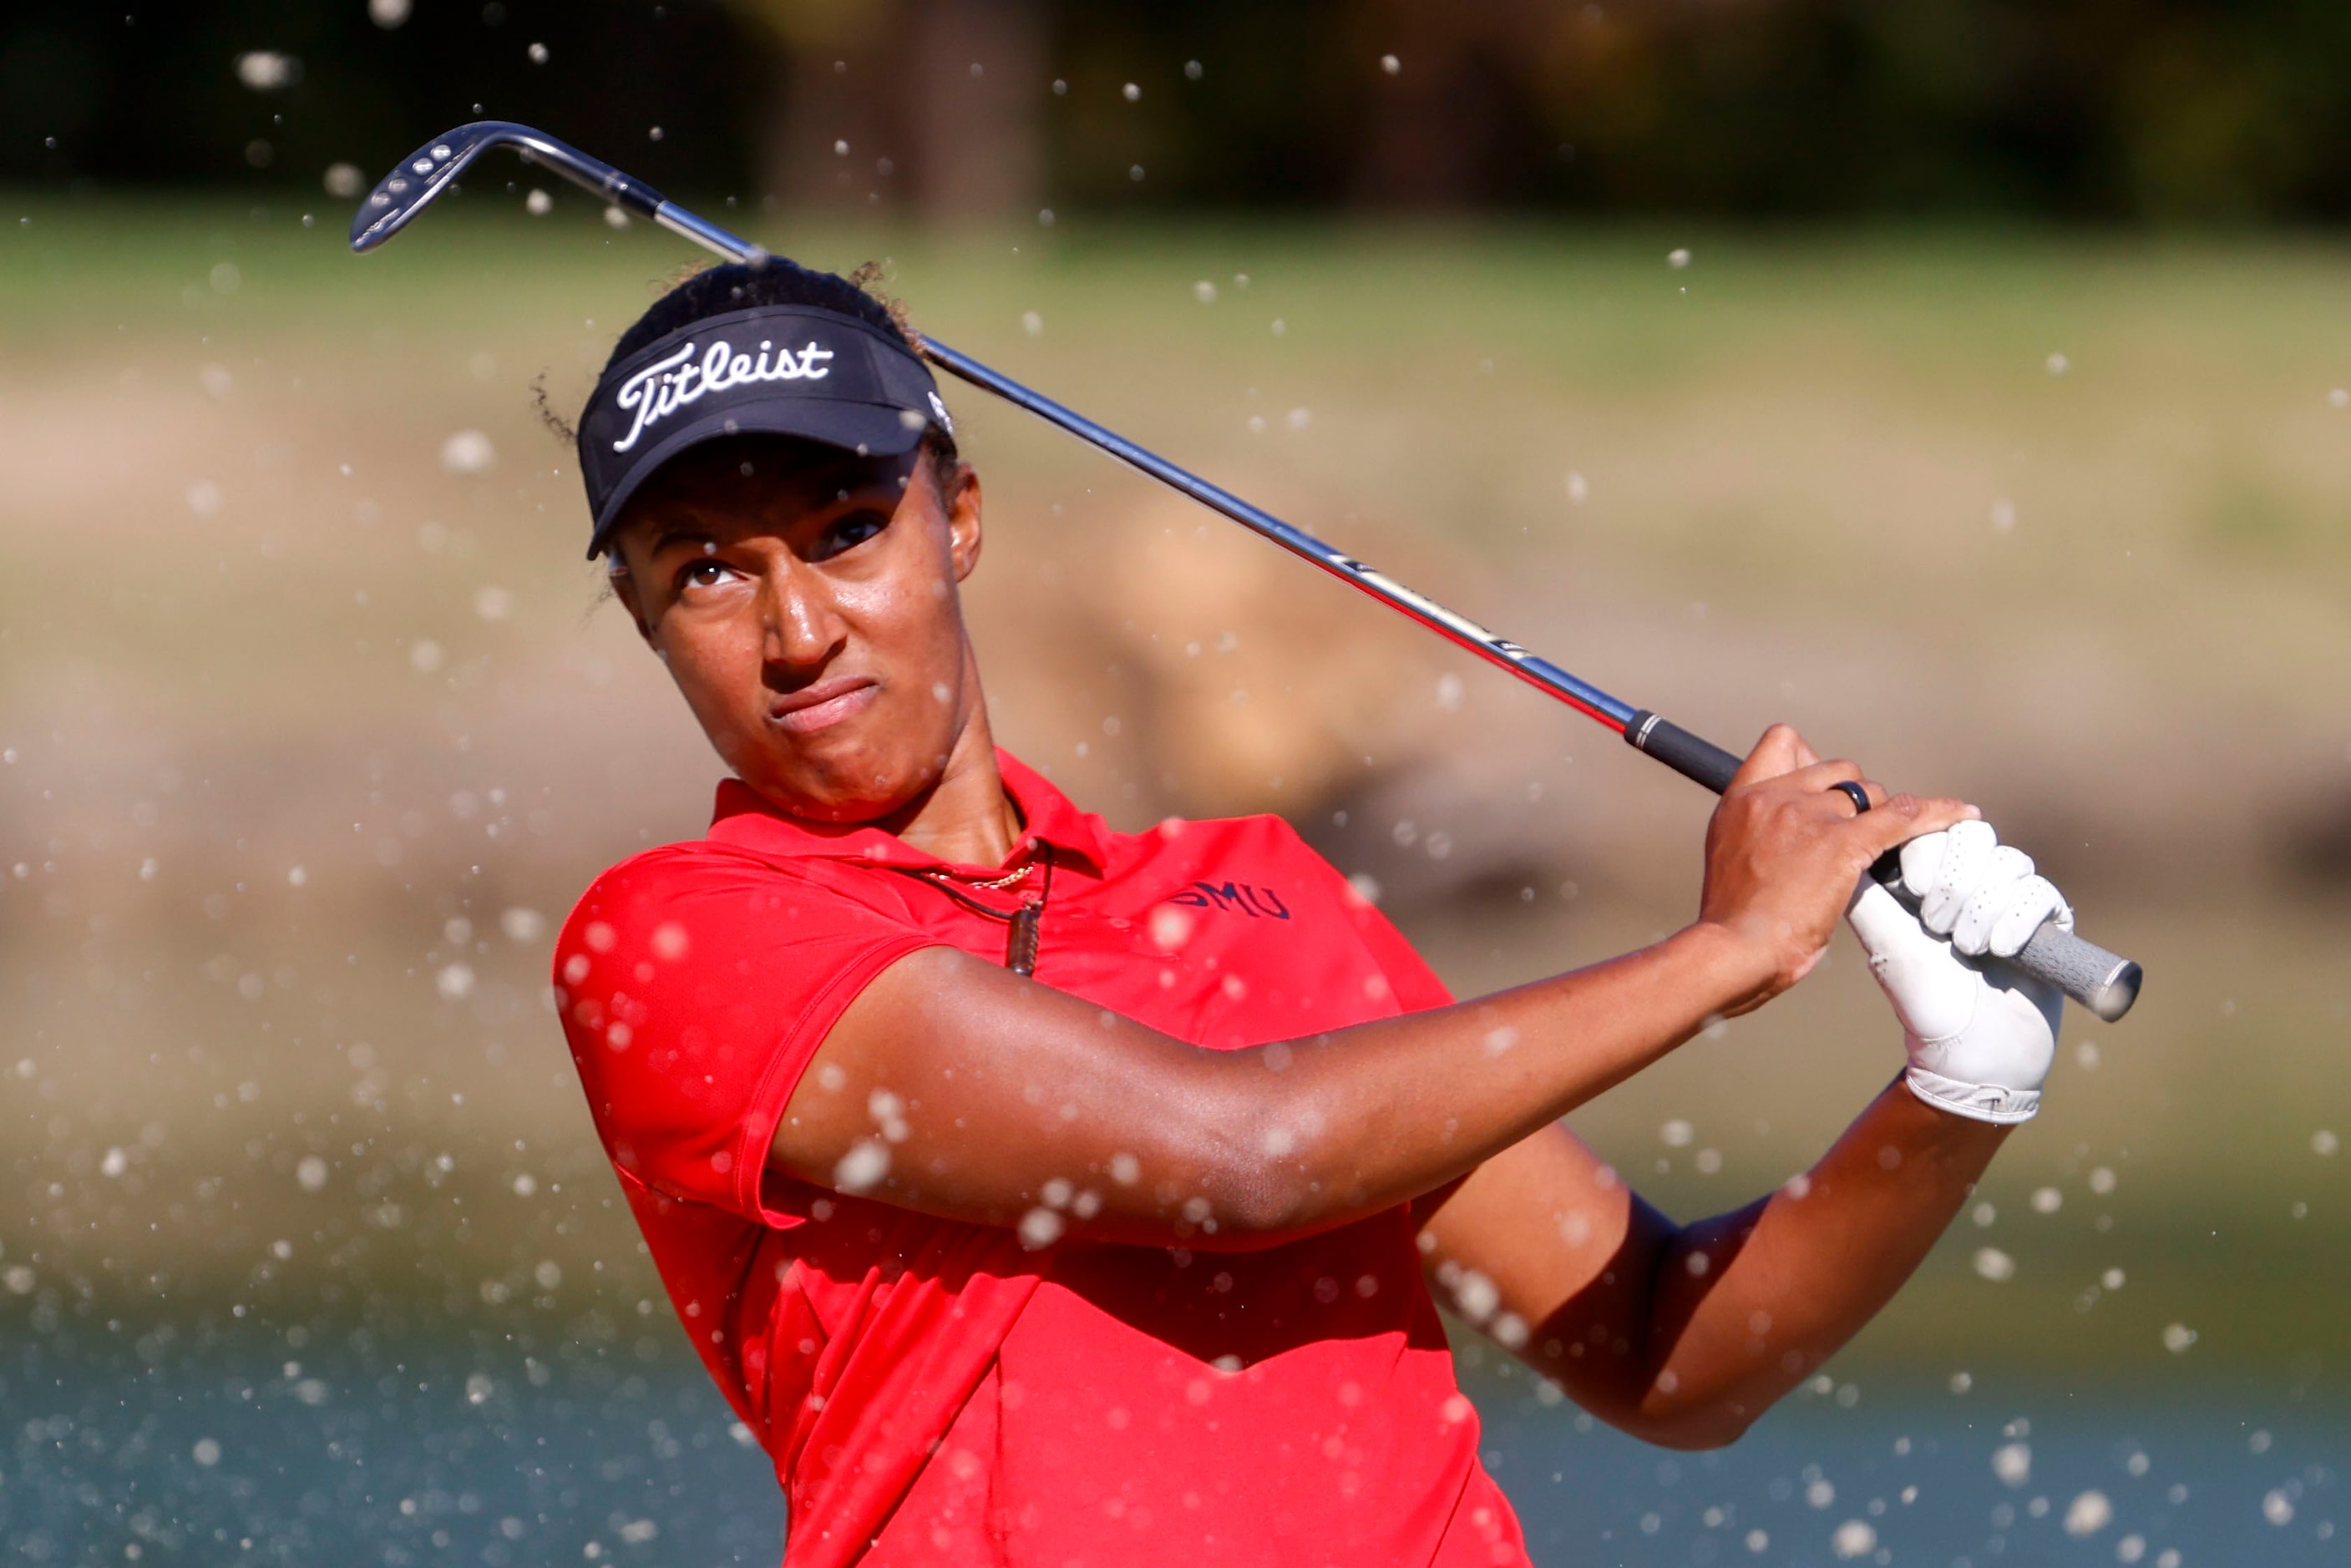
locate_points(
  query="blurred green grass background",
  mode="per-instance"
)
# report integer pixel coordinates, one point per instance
(310, 736)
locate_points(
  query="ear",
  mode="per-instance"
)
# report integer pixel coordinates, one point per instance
(963, 520)
(625, 589)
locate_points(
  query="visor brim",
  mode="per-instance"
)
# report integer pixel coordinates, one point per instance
(876, 429)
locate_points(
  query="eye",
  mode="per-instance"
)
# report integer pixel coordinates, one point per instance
(851, 530)
(704, 573)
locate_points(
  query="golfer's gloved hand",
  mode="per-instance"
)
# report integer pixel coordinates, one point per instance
(1981, 1036)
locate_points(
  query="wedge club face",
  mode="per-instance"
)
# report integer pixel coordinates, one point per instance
(433, 168)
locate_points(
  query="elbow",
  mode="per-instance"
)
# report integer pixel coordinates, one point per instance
(1254, 1171)
(1691, 1427)
(1258, 1204)
(1256, 1195)
(1660, 1411)
(1699, 1434)
(1264, 1170)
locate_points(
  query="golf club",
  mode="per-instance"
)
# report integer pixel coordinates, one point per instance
(2104, 982)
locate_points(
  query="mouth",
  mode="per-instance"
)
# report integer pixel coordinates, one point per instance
(824, 704)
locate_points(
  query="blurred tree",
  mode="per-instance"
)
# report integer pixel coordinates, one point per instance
(1454, 74)
(2156, 110)
(936, 102)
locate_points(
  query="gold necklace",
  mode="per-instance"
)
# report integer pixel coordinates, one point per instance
(993, 884)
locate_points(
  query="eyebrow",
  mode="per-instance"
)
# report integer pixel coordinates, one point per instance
(669, 536)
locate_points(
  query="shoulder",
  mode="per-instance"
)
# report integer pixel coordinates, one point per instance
(661, 882)
(624, 909)
(695, 943)
(690, 905)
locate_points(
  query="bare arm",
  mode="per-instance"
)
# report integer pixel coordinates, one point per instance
(998, 1086)
(1684, 1335)
(955, 1089)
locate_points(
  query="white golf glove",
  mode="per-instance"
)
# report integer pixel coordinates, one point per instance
(1981, 1036)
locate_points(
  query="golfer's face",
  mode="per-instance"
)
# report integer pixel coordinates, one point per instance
(809, 613)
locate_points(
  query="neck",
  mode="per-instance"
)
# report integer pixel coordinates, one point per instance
(965, 819)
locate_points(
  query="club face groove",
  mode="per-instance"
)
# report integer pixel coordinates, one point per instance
(418, 178)
(433, 168)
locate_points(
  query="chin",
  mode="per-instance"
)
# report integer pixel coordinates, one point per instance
(842, 810)
(850, 785)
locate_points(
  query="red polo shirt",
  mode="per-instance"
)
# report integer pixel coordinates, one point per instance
(933, 1391)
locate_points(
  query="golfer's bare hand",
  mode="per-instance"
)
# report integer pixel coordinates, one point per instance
(1785, 848)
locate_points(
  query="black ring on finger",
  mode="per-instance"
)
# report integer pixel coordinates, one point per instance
(1853, 793)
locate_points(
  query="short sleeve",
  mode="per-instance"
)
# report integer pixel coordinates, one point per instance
(695, 985)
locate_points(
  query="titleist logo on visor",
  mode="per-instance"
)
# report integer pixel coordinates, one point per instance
(668, 384)
(802, 372)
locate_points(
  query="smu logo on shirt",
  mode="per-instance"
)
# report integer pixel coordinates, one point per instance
(1231, 897)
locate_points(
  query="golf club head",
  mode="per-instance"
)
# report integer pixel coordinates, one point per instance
(433, 168)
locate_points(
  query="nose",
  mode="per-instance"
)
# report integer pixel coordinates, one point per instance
(802, 628)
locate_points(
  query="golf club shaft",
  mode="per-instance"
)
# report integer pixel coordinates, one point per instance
(2104, 982)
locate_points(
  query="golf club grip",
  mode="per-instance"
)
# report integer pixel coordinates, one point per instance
(2104, 982)
(1698, 760)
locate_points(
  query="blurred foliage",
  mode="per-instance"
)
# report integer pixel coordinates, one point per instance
(2102, 109)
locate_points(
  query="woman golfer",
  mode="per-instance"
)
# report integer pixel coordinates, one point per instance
(1044, 1194)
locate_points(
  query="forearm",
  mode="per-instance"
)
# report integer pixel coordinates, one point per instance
(1383, 1113)
(1746, 1305)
